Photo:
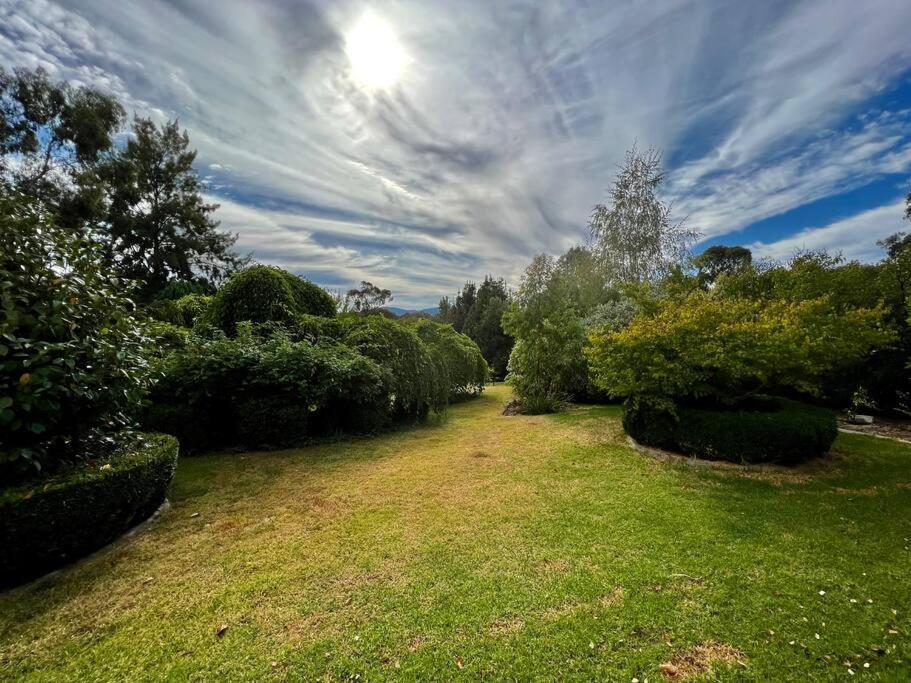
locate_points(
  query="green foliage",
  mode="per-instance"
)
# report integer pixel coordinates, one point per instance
(780, 431)
(705, 345)
(634, 237)
(547, 365)
(461, 364)
(480, 312)
(417, 382)
(71, 351)
(156, 221)
(44, 526)
(266, 392)
(51, 136)
(719, 259)
(368, 297)
(265, 294)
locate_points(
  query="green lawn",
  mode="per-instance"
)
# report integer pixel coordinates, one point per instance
(496, 547)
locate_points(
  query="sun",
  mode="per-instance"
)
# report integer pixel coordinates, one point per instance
(376, 56)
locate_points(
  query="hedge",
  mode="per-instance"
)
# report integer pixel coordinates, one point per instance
(264, 393)
(48, 524)
(263, 294)
(780, 431)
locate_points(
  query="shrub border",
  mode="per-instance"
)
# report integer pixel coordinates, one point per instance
(46, 525)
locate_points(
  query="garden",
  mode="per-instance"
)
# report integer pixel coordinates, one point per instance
(213, 467)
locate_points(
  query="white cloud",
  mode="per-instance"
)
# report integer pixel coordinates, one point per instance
(506, 125)
(854, 237)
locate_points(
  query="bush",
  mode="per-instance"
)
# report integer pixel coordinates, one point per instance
(264, 294)
(706, 345)
(460, 364)
(46, 525)
(266, 392)
(779, 430)
(72, 353)
(417, 380)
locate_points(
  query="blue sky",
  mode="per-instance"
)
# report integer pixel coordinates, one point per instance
(422, 143)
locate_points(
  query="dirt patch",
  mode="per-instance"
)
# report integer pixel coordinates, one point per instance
(615, 597)
(699, 660)
(868, 491)
(505, 627)
(564, 610)
(555, 567)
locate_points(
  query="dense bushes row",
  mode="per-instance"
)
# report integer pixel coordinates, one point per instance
(298, 376)
(776, 430)
(46, 524)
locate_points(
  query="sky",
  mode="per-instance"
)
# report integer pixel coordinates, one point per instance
(419, 144)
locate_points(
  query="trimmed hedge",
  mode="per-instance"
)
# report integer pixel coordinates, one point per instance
(266, 393)
(263, 294)
(778, 430)
(50, 523)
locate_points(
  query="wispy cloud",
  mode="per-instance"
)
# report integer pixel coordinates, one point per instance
(507, 124)
(854, 237)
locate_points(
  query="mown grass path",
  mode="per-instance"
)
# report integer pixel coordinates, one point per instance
(484, 546)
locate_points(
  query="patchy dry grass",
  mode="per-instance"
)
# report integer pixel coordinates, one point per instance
(485, 546)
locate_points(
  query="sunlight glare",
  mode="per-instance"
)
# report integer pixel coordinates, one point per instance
(376, 56)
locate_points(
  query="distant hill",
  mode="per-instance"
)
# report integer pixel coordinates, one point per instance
(399, 311)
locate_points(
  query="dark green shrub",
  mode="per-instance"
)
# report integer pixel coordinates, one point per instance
(164, 311)
(779, 430)
(72, 354)
(461, 366)
(191, 308)
(55, 521)
(266, 392)
(308, 298)
(264, 294)
(417, 385)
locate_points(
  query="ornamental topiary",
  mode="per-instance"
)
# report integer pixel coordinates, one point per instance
(265, 294)
(47, 524)
(771, 430)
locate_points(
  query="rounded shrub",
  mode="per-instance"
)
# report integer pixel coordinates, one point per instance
(50, 523)
(265, 294)
(461, 365)
(773, 430)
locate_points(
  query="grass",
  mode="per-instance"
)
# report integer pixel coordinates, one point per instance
(484, 546)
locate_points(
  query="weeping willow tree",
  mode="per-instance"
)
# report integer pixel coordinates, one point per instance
(634, 237)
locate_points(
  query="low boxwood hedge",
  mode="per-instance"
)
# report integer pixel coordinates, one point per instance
(776, 430)
(51, 522)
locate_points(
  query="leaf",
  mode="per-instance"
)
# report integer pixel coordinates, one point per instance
(221, 630)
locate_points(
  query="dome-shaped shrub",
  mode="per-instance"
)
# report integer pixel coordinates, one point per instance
(266, 294)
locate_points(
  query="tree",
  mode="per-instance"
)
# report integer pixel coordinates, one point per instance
(457, 313)
(583, 278)
(720, 259)
(51, 137)
(157, 226)
(72, 361)
(634, 238)
(547, 366)
(483, 323)
(368, 297)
